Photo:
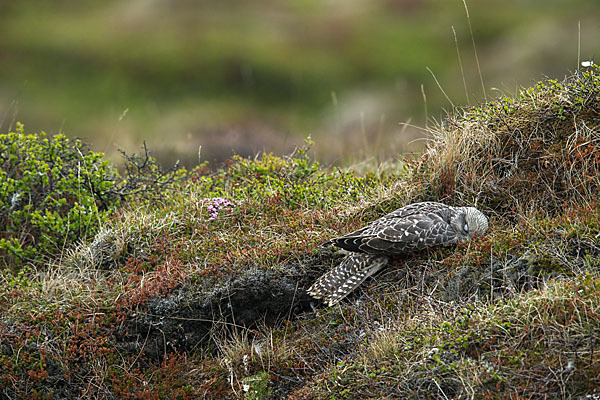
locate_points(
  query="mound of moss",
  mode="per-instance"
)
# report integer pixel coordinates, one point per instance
(200, 292)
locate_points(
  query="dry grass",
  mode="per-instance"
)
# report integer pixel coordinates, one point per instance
(522, 156)
(251, 357)
(539, 345)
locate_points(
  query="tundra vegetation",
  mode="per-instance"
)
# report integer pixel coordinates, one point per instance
(186, 284)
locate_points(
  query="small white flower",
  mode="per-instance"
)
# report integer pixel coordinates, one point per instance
(587, 63)
(14, 200)
(245, 361)
(570, 366)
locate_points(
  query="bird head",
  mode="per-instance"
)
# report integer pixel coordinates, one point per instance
(469, 222)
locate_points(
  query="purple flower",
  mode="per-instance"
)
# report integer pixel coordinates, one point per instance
(217, 204)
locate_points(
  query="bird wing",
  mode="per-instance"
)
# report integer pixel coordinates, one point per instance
(396, 233)
(425, 207)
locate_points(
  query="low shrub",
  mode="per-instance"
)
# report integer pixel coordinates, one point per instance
(55, 191)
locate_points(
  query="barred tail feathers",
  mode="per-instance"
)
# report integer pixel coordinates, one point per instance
(342, 280)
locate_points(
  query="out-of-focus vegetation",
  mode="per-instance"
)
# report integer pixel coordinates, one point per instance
(247, 76)
(199, 293)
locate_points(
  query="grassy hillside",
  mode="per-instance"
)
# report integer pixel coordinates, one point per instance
(191, 284)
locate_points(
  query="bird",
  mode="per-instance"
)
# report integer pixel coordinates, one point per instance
(414, 227)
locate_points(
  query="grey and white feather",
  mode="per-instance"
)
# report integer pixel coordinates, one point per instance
(411, 228)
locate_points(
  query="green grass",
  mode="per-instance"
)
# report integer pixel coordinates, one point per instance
(199, 290)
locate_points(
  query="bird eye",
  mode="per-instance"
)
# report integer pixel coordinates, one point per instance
(466, 228)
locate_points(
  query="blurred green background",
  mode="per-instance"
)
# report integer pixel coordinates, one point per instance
(241, 77)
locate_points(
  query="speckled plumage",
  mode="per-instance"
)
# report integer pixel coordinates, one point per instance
(410, 228)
